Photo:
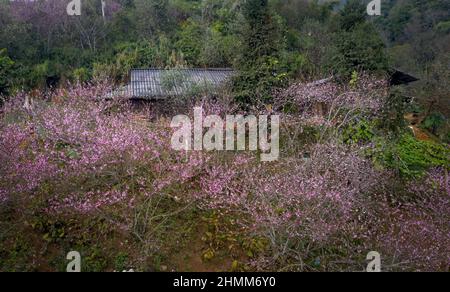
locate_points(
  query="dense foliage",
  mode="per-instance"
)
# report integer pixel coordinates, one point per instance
(261, 38)
(268, 41)
(262, 41)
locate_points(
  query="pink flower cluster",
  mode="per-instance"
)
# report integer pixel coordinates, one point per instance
(436, 182)
(89, 202)
(78, 146)
(222, 179)
(365, 94)
(334, 199)
(24, 165)
(314, 199)
(418, 232)
(417, 241)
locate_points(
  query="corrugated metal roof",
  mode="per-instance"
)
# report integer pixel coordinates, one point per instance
(163, 83)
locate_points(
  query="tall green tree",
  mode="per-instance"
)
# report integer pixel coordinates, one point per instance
(6, 68)
(352, 15)
(359, 44)
(258, 63)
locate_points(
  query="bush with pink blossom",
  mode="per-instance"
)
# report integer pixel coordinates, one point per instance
(365, 94)
(329, 211)
(303, 207)
(81, 154)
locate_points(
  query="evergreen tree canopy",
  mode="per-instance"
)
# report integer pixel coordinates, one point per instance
(258, 62)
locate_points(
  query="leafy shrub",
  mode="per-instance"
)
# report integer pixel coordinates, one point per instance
(443, 26)
(254, 84)
(433, 122)
(6, 66)
(103, 72)
(190, 41)
(80, 75)
(218, 49)
(295, 64)
(411, 157)
(358, 132)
